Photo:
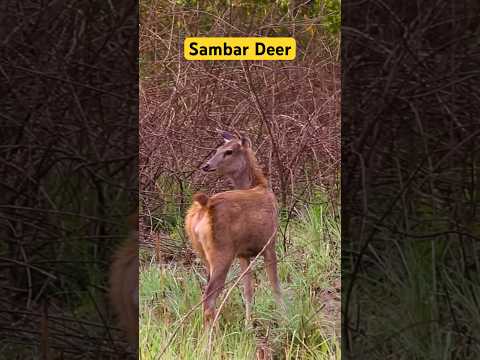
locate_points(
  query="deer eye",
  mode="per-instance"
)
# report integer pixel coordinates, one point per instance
(228, 152)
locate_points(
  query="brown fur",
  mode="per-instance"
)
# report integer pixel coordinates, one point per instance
(201, 198)
(124, 284)
(255, 173)
(234, 224)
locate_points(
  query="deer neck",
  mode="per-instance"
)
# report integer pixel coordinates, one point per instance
(242, 181)
(248, 178)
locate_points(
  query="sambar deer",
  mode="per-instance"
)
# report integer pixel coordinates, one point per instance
(124, 283)
(234, 224)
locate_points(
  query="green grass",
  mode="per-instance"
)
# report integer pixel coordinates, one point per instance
(306, 331)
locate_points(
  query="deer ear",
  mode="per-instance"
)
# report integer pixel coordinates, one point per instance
(226, 135)
(246, 142)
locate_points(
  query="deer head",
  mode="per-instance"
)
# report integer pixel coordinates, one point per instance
(234, 159)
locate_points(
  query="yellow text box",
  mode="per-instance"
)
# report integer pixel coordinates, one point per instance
(240, 48)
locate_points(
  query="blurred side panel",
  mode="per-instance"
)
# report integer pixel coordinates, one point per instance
(410, 179)
(68, 173)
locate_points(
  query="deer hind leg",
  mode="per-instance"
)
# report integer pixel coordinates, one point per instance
(247, 288)
(271, 268)
(218, 274)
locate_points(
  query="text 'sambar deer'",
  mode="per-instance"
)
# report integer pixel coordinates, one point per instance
(234, 224)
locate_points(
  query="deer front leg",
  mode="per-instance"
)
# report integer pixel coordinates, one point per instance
(218, 274)
(247, 289)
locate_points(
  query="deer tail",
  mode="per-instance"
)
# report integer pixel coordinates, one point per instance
(201, 198)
